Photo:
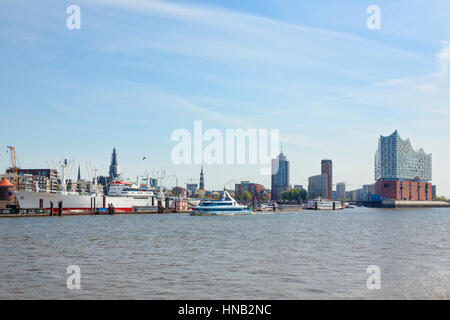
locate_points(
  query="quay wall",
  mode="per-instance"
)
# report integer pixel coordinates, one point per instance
(414, 204)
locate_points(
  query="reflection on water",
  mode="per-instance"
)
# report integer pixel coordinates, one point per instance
(311, 255)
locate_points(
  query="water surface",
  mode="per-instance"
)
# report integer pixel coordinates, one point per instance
(309, 255)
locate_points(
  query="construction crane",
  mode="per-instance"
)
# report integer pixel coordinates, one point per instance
(191, 181)
(12, 151)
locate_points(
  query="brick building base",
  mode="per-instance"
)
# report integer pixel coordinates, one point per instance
(404, 190)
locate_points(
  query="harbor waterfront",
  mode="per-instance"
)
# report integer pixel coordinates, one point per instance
(312, 255)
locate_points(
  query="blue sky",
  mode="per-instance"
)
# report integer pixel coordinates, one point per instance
(137, 70)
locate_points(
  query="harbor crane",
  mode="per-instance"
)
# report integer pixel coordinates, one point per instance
(12, 151)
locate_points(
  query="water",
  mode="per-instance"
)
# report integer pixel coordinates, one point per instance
(311, 255)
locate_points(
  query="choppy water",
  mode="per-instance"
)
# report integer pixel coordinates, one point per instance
(312, 255)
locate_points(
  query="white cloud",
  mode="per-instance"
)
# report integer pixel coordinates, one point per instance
(444, 58)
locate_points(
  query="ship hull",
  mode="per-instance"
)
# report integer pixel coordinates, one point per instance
(325, 205)
(79, 202)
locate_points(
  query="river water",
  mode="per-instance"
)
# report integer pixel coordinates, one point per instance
(308, 255)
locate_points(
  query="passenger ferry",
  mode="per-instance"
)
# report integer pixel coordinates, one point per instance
(226, 206)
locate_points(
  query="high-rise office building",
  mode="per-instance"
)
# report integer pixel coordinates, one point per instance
(327, 168)
(401, 172)
(340, 191)
(318, 186)
(280, 176)
(202, 180)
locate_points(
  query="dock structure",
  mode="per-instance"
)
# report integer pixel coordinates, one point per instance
(180, 206)
(414, 204)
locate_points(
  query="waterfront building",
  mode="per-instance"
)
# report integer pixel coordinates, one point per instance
(179, 192)
(327, 168)
(32, 179)
(433, 191)
(199, 193)
(256, 190)
(366, 191)
(84, 186)
(191, 188)
(401, 172)
(318, 186)
(354, 195)
(340, 191)
(114, 166)
(202, 180)
(280, 176)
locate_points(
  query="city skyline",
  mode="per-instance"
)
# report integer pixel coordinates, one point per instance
(146, 68)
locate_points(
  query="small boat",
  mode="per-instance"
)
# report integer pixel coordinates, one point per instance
(226, 206)
(322, 204)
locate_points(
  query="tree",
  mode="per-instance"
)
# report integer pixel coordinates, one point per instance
(294, 195)
(246, 196)
(303, 195)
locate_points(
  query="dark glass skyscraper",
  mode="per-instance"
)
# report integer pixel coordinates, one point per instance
(114, 167)
(202, 180)
(280, 176)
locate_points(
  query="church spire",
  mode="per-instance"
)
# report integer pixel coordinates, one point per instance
(114, 167)
(79, 173)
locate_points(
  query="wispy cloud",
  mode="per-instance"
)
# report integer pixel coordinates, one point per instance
(444, 58)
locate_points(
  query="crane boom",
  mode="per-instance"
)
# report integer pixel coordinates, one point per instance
(14, 167)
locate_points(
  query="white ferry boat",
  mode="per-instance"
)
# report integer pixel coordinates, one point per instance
(225, 206)
(321, 204)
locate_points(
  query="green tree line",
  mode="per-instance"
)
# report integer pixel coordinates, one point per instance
(294, 195)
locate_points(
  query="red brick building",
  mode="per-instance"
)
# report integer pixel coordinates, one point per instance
(256, 190)
(404, 190)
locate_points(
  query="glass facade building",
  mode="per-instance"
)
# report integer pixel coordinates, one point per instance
(280, 176)
(395, 159)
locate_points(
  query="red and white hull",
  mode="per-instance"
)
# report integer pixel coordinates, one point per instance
(32, 200)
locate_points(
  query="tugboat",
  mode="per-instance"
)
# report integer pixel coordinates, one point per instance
(226, 206)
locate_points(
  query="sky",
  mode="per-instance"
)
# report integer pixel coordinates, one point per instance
(137, 70)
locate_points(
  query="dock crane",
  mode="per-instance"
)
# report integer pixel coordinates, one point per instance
(12, 151)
